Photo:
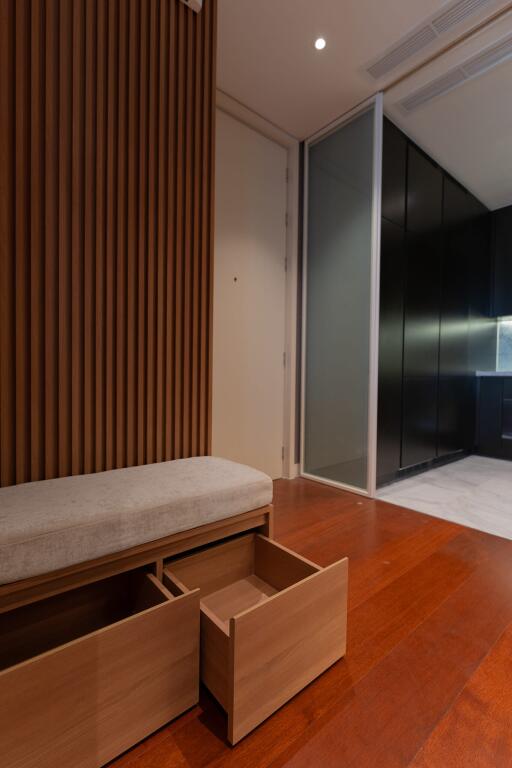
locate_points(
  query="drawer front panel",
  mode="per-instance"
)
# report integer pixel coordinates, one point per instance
(82, 704)
(281, 645)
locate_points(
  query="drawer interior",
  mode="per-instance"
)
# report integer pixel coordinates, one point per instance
(238, 575)
(33, 629)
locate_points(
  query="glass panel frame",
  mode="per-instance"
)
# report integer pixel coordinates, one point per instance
(375, 103)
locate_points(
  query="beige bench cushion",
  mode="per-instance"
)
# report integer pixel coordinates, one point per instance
(52, 524)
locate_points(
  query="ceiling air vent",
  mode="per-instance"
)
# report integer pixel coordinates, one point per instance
(401, 52)
(437, 87)
(466, 70)
(454, 13)
(458, 13)
(489, 58)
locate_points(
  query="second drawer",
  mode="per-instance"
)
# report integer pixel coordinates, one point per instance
(271, 621)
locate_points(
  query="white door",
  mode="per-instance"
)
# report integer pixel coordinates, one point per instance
(249, 297)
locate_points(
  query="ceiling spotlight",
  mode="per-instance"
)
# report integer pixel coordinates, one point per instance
(320, 44)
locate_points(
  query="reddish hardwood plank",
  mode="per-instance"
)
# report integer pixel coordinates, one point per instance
(477, 730)
(418, 633)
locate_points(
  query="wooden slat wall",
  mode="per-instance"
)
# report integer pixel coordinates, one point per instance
(106, 187)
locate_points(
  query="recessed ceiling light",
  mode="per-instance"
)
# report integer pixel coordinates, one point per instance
(320, 44)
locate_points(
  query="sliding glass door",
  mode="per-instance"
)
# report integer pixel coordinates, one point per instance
(340, 334)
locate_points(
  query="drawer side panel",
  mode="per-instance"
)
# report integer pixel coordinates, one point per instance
(280, 646)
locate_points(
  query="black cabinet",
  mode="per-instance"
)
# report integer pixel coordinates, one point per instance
(436, 328)
(389, 430)
(482, 340)
(456, 404)
(502, 258)
(422, 309)
(394, 159)
(392, 275)
(490, 416)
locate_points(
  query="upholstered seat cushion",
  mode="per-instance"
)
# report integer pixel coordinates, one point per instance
(52, 524)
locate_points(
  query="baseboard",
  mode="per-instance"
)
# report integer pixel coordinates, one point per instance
(418, 469)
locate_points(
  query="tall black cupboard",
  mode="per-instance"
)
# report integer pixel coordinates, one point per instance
(435, 329)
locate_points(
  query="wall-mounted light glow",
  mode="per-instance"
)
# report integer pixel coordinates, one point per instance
(320, 44)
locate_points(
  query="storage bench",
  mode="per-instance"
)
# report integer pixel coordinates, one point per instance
(96, 654)
(86, 674)
(271, 621)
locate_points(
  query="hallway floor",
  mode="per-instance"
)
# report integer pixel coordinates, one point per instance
(426, 681)
(475, 491)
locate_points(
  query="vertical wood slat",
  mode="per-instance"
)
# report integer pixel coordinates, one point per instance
(179, 239)
(100, 239)
(77, 236)
(37, 136)
(64, 242)
(111, 230)
(22, 236)
(142, 244)
(154, 39)
(7, 244)
(171, 232)
(133, 232)
(51, 245)
(121, 250)
(161, 265)
(106, 186)
(89, 234)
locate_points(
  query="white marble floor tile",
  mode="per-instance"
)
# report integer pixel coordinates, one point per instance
(475, 491)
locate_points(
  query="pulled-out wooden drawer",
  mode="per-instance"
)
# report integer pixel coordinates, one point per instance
(271, 621)
(88, 673)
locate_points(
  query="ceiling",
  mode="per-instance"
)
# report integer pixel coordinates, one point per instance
(267, 59)
(469, 129)
(268, 62)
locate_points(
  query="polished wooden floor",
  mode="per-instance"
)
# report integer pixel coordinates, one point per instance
(427, 681)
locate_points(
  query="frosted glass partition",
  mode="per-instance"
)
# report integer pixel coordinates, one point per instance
(338, 280)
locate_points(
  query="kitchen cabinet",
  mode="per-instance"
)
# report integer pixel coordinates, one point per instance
(502, 262)
(421, 309)
(494, 437)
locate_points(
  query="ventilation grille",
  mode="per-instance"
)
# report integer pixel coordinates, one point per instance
(455, 13)
(407, 48)
(468, 70)
(433, 89)
(489, 58)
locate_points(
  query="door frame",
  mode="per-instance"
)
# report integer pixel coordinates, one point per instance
(243, 114)
(377, 102)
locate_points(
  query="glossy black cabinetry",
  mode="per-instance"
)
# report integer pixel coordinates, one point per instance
(422, 306)
(435, 307)
(392, 291)
(389, 428)
(394, 171)
(456, 404)
(494, 437)
(502, 261)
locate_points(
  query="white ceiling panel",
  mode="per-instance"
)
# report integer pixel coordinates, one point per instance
(267, 59)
